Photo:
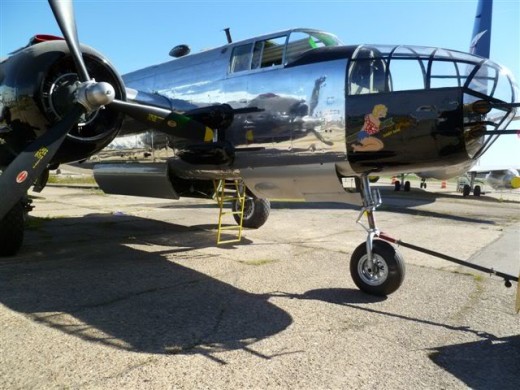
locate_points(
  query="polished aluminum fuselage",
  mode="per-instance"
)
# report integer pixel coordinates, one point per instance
(302, 141)
(295, 142)
(289, 124)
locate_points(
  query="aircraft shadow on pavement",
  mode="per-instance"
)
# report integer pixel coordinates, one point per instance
(436, 214)
(82, 276)
(492, 362)
(393, 202)
(338, 296)
(390, 206)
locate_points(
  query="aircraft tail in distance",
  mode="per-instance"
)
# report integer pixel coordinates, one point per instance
(481, 38)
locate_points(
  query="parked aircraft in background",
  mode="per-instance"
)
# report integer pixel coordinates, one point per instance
(292, 114)
(498, 178)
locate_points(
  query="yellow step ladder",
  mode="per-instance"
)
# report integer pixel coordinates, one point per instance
(230, 191)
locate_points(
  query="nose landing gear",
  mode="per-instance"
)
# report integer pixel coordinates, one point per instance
(376, 267)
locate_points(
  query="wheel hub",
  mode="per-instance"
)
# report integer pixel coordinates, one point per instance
(377, 274)
(249, 208)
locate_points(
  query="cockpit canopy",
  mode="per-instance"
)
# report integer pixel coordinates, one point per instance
(278, 49)
(380, 69)
(385, 68)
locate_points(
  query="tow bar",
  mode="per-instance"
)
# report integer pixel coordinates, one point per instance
(507, 278)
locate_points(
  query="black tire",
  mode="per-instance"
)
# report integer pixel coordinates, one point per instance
(397, 185)
(477, 191)
(407, 186)
(256, 212)
(389, 273)
(12, 231)
(466, 190)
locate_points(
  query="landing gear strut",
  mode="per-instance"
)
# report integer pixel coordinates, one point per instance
(376, 267)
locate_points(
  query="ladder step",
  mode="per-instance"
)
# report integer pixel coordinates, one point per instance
(229, 198)
(230, 227)
(229, 191)
(231, 212)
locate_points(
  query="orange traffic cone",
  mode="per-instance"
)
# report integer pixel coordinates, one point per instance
(443, 184)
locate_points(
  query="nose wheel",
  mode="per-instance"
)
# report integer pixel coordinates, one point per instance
(383, 275)
(376, 267)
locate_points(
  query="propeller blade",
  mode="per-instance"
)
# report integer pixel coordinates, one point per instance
(20, 175)
(64, 14)
(166, 121)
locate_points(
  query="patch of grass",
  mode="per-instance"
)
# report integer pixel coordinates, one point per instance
(97, 191)
(54, 179)
(478, 277)
(257, 262)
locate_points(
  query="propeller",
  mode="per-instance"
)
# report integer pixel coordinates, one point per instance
(89, 96)
(30, 163)
(21, 173)
(64, 13)
(167, 121)
(196, 124)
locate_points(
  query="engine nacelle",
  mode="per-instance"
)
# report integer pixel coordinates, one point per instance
(36, 89)
(508, 179)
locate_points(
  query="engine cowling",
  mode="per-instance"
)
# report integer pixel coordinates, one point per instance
(508, 179)
(36, 86)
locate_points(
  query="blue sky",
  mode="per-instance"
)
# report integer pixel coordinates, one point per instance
(138, 33)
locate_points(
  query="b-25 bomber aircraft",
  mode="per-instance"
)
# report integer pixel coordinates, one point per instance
(293, 114)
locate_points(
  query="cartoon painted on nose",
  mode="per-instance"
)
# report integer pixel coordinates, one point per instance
(366, 141)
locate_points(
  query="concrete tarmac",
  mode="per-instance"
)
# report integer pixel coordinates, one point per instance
(114, 292)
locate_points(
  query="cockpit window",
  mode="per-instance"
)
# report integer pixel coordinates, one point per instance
(241, 58)
(278, 50)
(301, 41)
(269, 52)
(367, 73)
(261, 54)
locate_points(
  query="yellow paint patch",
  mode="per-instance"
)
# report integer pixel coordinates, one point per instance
(41, 153)
(154, 118)
(208, 136)
(515, 182)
